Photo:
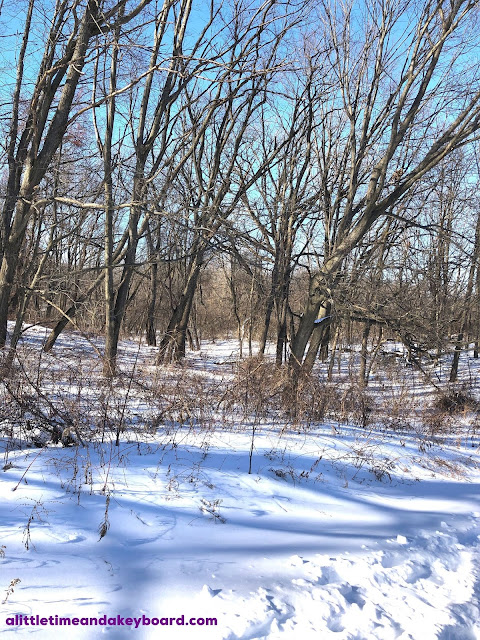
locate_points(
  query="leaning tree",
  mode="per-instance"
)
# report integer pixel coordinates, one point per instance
(404, 94)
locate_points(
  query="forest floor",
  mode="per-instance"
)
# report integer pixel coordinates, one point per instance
(339, 530)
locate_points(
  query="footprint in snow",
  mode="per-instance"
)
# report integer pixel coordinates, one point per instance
(208, 591)
(418, 572)
(327, 576)
(47, 563)
(334, 624)
(390, 560)
(352, 595)
(74, 538)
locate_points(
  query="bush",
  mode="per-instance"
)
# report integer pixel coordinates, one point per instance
(456, 401)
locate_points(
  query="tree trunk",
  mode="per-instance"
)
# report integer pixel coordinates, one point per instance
(362, 374)
(474, 265)
(266, 323)
(332, 354)
(151, 332)
(305, 329)
(35, 163)
(7, 273)
(121, 300)
(319, 332)
(172, 346)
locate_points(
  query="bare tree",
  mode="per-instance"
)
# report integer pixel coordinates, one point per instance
(222, 167)
(407, 99)
(34, 140)
(284, 202)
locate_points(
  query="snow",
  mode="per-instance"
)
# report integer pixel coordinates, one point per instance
(317, 542)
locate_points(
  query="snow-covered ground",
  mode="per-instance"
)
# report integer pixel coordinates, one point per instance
(338, 531)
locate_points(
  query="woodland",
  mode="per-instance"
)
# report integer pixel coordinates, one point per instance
(297, 172)
(240, 318)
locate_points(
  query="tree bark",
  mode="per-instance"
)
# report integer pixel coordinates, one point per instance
(319, 332)
(172, 346)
